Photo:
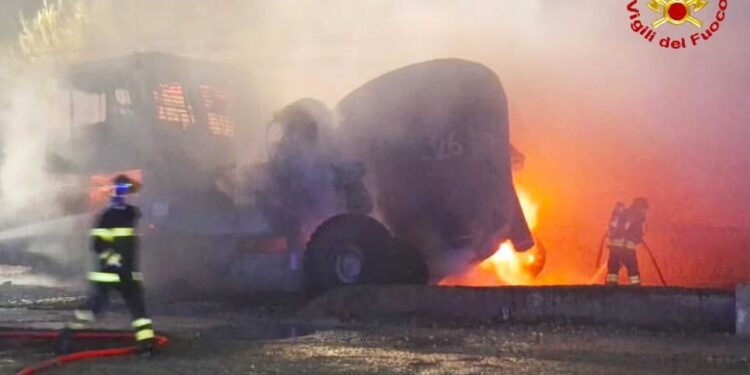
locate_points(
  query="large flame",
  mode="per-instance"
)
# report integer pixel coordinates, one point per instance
(505, 266)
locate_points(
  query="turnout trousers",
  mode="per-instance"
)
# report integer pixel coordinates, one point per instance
(622, 257)
(128, 284)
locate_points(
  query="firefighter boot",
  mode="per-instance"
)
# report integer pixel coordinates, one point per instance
(144, 336)
(146, 348)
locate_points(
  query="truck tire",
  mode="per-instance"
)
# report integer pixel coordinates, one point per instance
(347, 249)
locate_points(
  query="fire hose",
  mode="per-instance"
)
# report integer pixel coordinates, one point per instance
(601, 251)
(648, 250)
(159, 341)
(656, 265)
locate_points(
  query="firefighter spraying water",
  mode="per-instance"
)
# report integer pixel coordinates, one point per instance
(115, 245)
(626, 229)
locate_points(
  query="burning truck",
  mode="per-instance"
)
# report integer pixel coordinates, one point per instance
(408, 179)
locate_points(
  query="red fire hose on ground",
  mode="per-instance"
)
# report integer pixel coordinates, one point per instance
(159, 341)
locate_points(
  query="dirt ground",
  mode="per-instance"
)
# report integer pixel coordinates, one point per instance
(266, 335)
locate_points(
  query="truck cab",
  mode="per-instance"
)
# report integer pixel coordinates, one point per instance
(161, 118)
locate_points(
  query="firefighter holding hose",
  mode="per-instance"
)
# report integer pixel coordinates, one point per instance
(626, 230)
(116, 248)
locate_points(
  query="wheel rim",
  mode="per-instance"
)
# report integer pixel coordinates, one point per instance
(348, 263)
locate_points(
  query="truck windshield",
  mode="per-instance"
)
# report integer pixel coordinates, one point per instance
(73, 108)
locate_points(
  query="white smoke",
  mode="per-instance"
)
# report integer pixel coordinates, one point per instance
(26, 189)
(33, 218)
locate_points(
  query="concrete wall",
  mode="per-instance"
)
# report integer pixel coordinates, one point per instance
(742, 298)
(646, 307)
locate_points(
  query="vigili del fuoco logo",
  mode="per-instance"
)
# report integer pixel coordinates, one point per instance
(677, 24)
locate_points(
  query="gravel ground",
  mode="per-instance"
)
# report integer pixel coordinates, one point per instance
(265, 336)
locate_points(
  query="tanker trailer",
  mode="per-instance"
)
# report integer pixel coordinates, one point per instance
(433, 137)
(433, 140)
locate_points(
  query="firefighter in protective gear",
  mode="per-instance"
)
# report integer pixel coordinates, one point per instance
(626, 230)
(116, 246)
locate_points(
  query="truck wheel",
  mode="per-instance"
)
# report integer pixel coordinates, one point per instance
(348, 260)
(345, 250)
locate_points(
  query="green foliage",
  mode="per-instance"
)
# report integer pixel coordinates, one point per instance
(58, 31)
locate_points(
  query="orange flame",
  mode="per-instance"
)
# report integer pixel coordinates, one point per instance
(505, 266)
(101, 186)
